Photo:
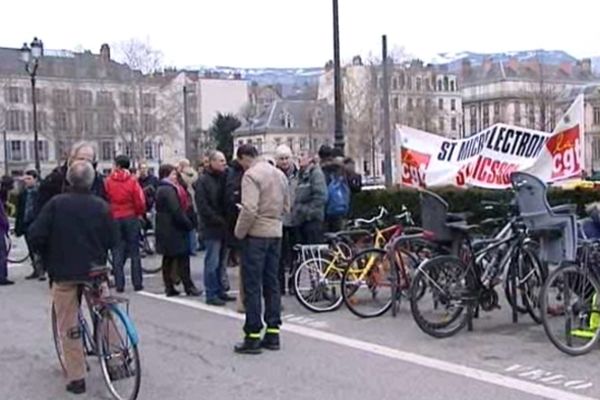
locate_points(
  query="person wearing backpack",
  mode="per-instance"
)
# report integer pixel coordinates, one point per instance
(337, 207)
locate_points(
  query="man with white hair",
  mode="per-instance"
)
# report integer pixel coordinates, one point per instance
(69, 250)
(284, 161)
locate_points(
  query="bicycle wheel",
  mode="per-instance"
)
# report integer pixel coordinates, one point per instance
(317, 285)
(15, 257)
(570, 304)
(367, 283)
(436, 296)
(531, 274)
(58, 341)
(149, 248)
(116, 346)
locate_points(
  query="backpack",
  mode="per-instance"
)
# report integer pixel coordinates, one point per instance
(338, 197)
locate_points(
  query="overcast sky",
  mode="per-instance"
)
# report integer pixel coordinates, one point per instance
(298, 33)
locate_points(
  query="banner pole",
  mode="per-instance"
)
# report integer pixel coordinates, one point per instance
(387, 141)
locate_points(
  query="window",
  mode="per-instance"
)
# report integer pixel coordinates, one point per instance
(126, 99)
(473, 119)
(41, 120)
(486, 115)
(409, 121)
(497, 111)
(314, 144)
(149, 150)
(240, 142)
(428, 104)
(419, 104)
(453, 124)
(531, 115)
(441, 126)
(149, 100)
(149, 123)
(440, 85)
(517, 115)
(453, 105)
(107, 150)
(85, 122)
(259, 145)
(446, 84)
(15, 94)
(15, 120)
(126, 148)
(452, 86)
(409, 104)
(104, 99)
(290, 143)
(596, 116)
(418, 84)
(16, 150)
(60, 97)
(39, 96)
(595, 148)
(277, 141)
(42, 150)
(395, 103)
(106, 122)
(84, 98)
(61, 121)
(409, 83)
(394, 83)
(287, 120)
(127, 122)
(441, 104)
(426, 84)
(303, 144)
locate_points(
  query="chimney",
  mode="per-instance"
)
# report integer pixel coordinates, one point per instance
(105, 52)
(465, 68)
(487, 64)
(586, 66)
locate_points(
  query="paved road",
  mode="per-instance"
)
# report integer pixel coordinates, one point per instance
(187, 354)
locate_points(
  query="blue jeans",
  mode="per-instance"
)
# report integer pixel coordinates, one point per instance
(260, 264)
(214, 262)
(3, 257)
(127, 239)
(193, 242)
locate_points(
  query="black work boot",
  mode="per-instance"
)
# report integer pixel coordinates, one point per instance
(271, 340)
(250, 345)
(76, 387)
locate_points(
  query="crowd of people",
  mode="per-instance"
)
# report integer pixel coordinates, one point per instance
(251, 212)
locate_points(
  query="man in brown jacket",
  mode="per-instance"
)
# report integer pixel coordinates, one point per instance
(265, 199)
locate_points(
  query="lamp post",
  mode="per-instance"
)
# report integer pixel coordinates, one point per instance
(337, 82)
(31, 55)
(160, 145)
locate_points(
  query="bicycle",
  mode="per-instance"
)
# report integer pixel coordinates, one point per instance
(319, 268)
(465, 279)
(370, 281)
(108, 333)
(15, 258)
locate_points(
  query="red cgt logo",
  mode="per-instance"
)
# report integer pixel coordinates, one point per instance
(414, 166)
(565, 149)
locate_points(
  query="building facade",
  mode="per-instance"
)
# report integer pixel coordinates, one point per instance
(303, 125)
(86, 96)
(421, 96)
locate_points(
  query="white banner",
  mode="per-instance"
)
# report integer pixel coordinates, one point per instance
(487, 158)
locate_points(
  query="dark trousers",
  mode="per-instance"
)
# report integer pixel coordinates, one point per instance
(179, 266)
(310, 232)
(260, 263)
(127, 239)
(3, 257)
(333, 224)
(36, 260)
(288, 241)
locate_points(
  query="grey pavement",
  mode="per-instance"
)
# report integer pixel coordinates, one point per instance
(187, 353)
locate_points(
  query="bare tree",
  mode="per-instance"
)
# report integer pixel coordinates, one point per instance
(139, 55)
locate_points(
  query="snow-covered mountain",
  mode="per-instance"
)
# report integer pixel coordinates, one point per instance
(454, 60)
(283, 76)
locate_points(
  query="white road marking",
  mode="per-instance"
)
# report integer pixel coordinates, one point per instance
(384, 351)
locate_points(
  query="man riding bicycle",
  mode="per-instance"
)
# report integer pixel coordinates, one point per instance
(73, 232)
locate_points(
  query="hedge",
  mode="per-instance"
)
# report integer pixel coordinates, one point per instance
(366, 203)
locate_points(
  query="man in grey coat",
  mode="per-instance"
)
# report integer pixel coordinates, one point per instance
(308, 211)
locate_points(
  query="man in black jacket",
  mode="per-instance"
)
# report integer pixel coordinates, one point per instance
(73, 233)
(56, 182)
(210, 201)
(26, 213)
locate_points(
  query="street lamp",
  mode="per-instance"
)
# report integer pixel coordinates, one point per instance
(31, 55)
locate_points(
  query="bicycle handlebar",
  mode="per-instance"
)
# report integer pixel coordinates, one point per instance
(382, 213)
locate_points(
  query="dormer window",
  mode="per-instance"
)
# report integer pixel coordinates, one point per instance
(287, 120)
